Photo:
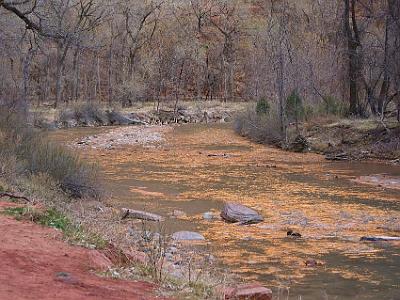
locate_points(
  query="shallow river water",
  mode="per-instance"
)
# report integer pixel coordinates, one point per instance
(298, 191)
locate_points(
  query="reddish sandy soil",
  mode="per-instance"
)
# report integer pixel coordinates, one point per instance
(36, 264)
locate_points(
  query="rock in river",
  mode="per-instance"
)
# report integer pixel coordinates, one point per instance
(380, 238)
(187, 236)
(176, 213)
(234, 212)
(247, 291)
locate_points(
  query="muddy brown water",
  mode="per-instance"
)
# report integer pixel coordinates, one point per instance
(299, 191)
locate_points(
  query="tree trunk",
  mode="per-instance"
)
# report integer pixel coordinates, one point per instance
(24, 103)
(280, 82)
(383, 95)
(257, 77)
(132, 54)
(160, 85)
(62, 49)
(97, 87)
(59, 74)
(76, 67)
(398, 109)
(177, 89)
(228, 60)
(352, 45)
(46, 87)
(110, 66)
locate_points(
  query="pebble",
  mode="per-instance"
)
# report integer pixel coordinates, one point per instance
(208, 216)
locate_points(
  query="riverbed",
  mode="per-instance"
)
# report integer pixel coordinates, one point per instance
(196, 168)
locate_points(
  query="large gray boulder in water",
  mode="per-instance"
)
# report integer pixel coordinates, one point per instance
(235, 212)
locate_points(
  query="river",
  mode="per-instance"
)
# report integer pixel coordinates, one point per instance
(291, 190)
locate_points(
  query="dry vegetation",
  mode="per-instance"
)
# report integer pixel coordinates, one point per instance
(326, 131)
(304, 58)
(58, 52)
(25, 152)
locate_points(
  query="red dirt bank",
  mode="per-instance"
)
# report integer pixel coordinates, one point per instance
(36, 264)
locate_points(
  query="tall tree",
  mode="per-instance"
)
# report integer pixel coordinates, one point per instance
(352, 35)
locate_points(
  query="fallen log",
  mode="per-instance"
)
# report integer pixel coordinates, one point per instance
(217, 155)
(224, 155)
(142, 215)
(338, 156)
(380, 238)
(5, 194)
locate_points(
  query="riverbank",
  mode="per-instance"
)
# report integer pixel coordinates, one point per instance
(96, 245)
(36, 263)
(142, 113)
(354, 139)
(337, 138)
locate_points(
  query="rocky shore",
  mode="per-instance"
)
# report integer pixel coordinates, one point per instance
(354, 139)
(87, 115)
(146, 136)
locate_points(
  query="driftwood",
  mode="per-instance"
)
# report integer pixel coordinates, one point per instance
(300, 144)
(338, 156)
(142, 215)
(380, 238)
(5, 194)
(218, 155)
(224, 155)
(396, 161)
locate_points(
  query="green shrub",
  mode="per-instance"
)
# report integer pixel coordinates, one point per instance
(262, 106)
(16, 212)
(55, 219)
(308, 112)
(294, 107)
(49, 217)
(333, 106)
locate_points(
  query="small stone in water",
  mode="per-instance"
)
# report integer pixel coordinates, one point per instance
(178, 213)
(293, 234)
(208, 216)
(311, 263)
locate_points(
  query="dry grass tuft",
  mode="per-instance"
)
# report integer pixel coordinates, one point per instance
(25, 151)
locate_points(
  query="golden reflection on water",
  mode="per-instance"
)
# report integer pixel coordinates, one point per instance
(291, 190)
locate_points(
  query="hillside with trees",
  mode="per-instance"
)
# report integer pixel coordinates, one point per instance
(334, 54)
